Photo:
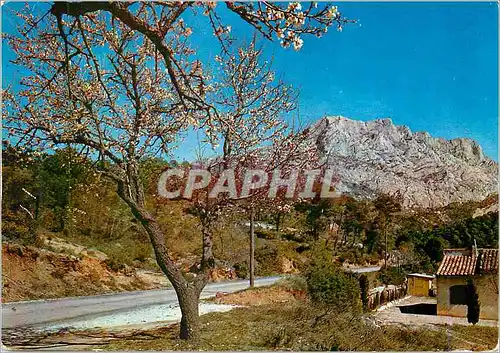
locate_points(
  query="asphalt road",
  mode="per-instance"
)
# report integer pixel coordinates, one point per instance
(45, 312)
(365, 269)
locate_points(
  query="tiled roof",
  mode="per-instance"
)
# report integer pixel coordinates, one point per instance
(489, 260)
(464, 262)
(457, 264)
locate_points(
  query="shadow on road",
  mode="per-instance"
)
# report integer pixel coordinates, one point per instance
(421, 309)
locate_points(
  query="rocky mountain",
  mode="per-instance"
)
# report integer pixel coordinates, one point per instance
(377, 156)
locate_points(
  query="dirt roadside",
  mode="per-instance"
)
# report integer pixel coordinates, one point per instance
(31, 273)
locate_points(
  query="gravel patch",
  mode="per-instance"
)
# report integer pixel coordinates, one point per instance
(154, 314)
(391, 314)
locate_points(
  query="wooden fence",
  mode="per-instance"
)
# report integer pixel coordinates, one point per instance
(383, 295)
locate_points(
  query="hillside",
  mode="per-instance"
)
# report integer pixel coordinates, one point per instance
(86, 225)
(46, 272)
(378, 157)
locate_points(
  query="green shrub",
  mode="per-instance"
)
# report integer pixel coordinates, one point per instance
(297, 283)
(18, 226)
(392, 275)
(328, 285)
(241, 269)
(267, 260)
(352, 256)
(267, 234)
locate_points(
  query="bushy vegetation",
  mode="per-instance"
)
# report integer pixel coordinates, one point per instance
(365, 232)
(392, 275)
(318, 237)
(329, 286)
(60, 194)
(294, 282)
(430, 242)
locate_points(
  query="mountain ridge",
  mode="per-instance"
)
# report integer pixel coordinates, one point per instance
(377, 157)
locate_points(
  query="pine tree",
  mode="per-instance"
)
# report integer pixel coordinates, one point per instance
(364, 286)
(473, 304)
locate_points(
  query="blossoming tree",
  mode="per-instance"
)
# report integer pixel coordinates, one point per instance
(120, 80)
(255, 132)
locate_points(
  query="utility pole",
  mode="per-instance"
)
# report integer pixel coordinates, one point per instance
(385, 253)
(252, 245)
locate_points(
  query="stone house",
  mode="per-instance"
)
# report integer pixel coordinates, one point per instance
(459, 265)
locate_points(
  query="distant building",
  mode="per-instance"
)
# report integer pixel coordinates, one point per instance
(458, 265)
(420, 284)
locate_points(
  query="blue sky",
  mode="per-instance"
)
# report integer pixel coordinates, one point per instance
(431, 66)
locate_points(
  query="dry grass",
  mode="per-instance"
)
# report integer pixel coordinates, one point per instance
(276, 320)
(261, 296)
(290, 325)
(273, 327)
(476, 338)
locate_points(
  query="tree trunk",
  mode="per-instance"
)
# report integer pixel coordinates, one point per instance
(190, 320)
(336, 240)
(252, 247)
(188, 293)
(207, 259)
(37, 204)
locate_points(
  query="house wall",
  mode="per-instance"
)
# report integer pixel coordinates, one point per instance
(487, 289)
(419, 286)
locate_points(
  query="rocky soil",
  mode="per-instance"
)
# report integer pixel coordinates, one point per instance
(30, 273)
(56, 267)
